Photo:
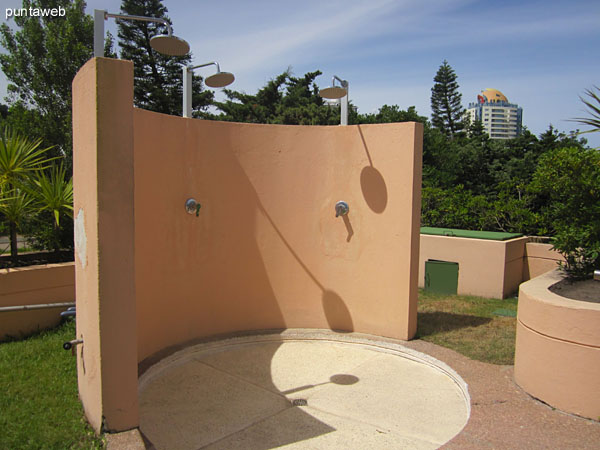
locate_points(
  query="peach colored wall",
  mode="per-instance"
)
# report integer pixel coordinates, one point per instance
(485, 268)
(52, 283)
(104, 237)
(557, 357)
(539, 259)
(513, 265)
(267, 250)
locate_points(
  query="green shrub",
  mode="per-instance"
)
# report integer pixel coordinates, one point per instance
(567, 181)
(454, 208)
(458, 207)
(581, 249)
(43, 234)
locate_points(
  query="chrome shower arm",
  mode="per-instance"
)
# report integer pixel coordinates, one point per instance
(343, 83)
(214, 63)
(140, 18)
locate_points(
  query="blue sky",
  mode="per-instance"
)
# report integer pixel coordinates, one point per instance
(541, 54)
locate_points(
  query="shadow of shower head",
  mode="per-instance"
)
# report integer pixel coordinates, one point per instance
(219, 79)
(170, 45)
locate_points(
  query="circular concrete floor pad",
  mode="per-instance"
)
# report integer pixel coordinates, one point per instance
(264, 392)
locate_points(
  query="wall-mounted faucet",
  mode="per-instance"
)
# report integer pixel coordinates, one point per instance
(192, 206)
(341, 209)
(70, 345)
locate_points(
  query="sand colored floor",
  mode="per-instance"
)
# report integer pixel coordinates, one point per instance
(301, 390)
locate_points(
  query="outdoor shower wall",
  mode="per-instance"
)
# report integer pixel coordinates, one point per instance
(104, 243)
(266, 250)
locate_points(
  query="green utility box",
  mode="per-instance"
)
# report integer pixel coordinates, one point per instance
(441, 277)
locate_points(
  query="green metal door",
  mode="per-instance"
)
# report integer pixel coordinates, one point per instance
(441, 277)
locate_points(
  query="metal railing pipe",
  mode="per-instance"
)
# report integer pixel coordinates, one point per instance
(38, 306)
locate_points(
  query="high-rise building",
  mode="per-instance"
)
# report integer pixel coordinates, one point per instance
(500, 119)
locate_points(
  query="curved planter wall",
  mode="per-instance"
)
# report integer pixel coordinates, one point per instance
(557, 356)
(51, 283)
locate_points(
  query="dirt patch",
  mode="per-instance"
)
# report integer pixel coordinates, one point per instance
(585, 290)
(37, 258)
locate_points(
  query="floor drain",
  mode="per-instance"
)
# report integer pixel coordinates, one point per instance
(299, 402)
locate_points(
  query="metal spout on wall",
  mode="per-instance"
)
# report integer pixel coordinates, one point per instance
(341, 209)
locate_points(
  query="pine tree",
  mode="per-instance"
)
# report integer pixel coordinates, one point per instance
(447, 113)
(158, 80)
(109, 46)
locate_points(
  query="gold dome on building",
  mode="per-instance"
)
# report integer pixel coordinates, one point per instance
(494, 95)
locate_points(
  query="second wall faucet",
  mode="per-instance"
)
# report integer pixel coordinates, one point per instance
(341, 209)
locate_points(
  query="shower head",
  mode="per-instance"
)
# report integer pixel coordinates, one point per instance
(216, 80)
(338, 92)
(170, 45)
(333, 92)
(219, 79)
(166, 44)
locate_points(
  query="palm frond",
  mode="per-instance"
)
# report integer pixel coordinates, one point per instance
(20, 156)
(53, 192)
(594, 110)
(16, 205)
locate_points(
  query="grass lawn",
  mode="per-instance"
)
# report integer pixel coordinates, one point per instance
(39, 407)
(467, 325)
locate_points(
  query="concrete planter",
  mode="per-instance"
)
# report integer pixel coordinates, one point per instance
(51, 283)
(486, 268)
(557, 356)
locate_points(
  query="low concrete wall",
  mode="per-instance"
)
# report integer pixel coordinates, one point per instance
(486, 268)
(539, 259)
(52, 283)
(558, 348)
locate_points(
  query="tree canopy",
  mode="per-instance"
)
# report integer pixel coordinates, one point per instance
(42, 57)
(568, 181)
(285, 99)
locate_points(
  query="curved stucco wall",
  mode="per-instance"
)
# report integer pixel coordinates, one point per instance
(557, 356)
(266, 250)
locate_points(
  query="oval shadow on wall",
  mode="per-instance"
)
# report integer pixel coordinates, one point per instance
(336, 312)
(374, 189)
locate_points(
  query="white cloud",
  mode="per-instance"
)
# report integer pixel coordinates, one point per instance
(252, 49)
